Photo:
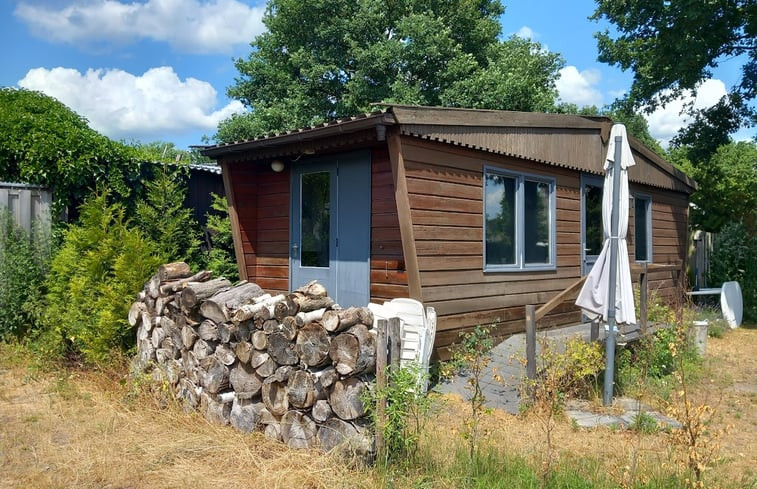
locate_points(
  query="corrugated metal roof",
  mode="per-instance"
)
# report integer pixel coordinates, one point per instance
(563, 140)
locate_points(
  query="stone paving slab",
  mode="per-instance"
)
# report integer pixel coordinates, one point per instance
(506, 361)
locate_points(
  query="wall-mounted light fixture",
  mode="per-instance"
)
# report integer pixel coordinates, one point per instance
(277, 166)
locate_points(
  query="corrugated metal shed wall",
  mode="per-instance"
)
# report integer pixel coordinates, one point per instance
(29, 204)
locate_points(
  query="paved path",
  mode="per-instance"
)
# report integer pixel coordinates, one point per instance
(508, 361)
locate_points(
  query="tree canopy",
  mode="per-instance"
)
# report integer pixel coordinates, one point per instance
(673, 45)
(326, 59)
(46, 143)
(727, 185)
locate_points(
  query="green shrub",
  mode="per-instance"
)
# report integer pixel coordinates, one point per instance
(23, 262)
(162, 217)
(94, 277)
(734, 257)
(220, 257)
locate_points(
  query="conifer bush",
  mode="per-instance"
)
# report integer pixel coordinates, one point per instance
(102, 264)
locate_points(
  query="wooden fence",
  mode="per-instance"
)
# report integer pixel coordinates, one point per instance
(28, 204)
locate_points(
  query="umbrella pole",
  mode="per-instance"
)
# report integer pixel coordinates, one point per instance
(613, 284)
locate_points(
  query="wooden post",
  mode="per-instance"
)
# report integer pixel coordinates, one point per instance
(395, 344)
(381, 349)
(594, 331)
(531, 341)
(643, 294)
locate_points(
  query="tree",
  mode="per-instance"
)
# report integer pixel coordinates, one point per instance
(727, 190)
(162, 217)
(326, 59)
(673, 45)
(45, 143)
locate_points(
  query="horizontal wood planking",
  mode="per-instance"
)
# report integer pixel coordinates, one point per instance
(388, 276)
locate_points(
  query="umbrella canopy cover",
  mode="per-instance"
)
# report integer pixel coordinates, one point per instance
(593, 297)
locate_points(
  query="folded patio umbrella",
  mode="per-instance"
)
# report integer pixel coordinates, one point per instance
(593, 297)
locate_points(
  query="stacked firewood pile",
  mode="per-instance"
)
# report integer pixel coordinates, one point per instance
(294, 366)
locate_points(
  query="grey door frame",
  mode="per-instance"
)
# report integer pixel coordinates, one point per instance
(350, 217)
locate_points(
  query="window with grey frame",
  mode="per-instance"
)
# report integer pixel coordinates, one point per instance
(519, 222)
(642, 228)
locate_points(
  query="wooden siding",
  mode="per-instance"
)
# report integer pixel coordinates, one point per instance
(388, 271)
(670, 223)
(445, 190)
(262, 200)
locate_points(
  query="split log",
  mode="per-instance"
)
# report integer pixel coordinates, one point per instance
(288, 327)
(172, 331)
(164, 355)
(203, 349)
(298, 430)
(172, 271)
(188, 393)
(214, 411)
(313, 289)
(225, 354)
(196, 292)
(245, 415)
(321, 411)
(281, 349)
(312, 345)
(152, 287)
(306, 303)
(245, 382)
(178, 285)
(242, 330)
(284, 308)
(191, 366)
(337, 434)
(224, 333)
(248, 311)
(273, 431)
(213, 374)
(135, 312)
(282, 373)
(346, 398)
(275, 396)
(145, 355)
(243, 350)
(158, 335)
(336, 321)
(354, 351)
(326, 376)
(220, 306)
(188, 336)
(262, 316)
(270, 326)
(267, 366)
(303, 318)
(143, 332)
(301, 390)
(259, 340)
(258, 358)
(208, 330)
(161, 303)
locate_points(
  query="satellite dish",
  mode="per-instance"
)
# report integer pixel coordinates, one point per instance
(731, 303)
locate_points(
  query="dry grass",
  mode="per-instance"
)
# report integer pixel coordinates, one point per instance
(80, 430)
(87, 430)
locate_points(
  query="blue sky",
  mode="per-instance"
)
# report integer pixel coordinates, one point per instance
(158, 69)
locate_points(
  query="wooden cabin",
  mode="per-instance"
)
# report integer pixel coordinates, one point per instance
(474, 212)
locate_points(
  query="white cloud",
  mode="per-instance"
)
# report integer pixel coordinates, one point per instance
(579, 88)
(525, 32)
(124, 106)
(664, 123)
(191, 26)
